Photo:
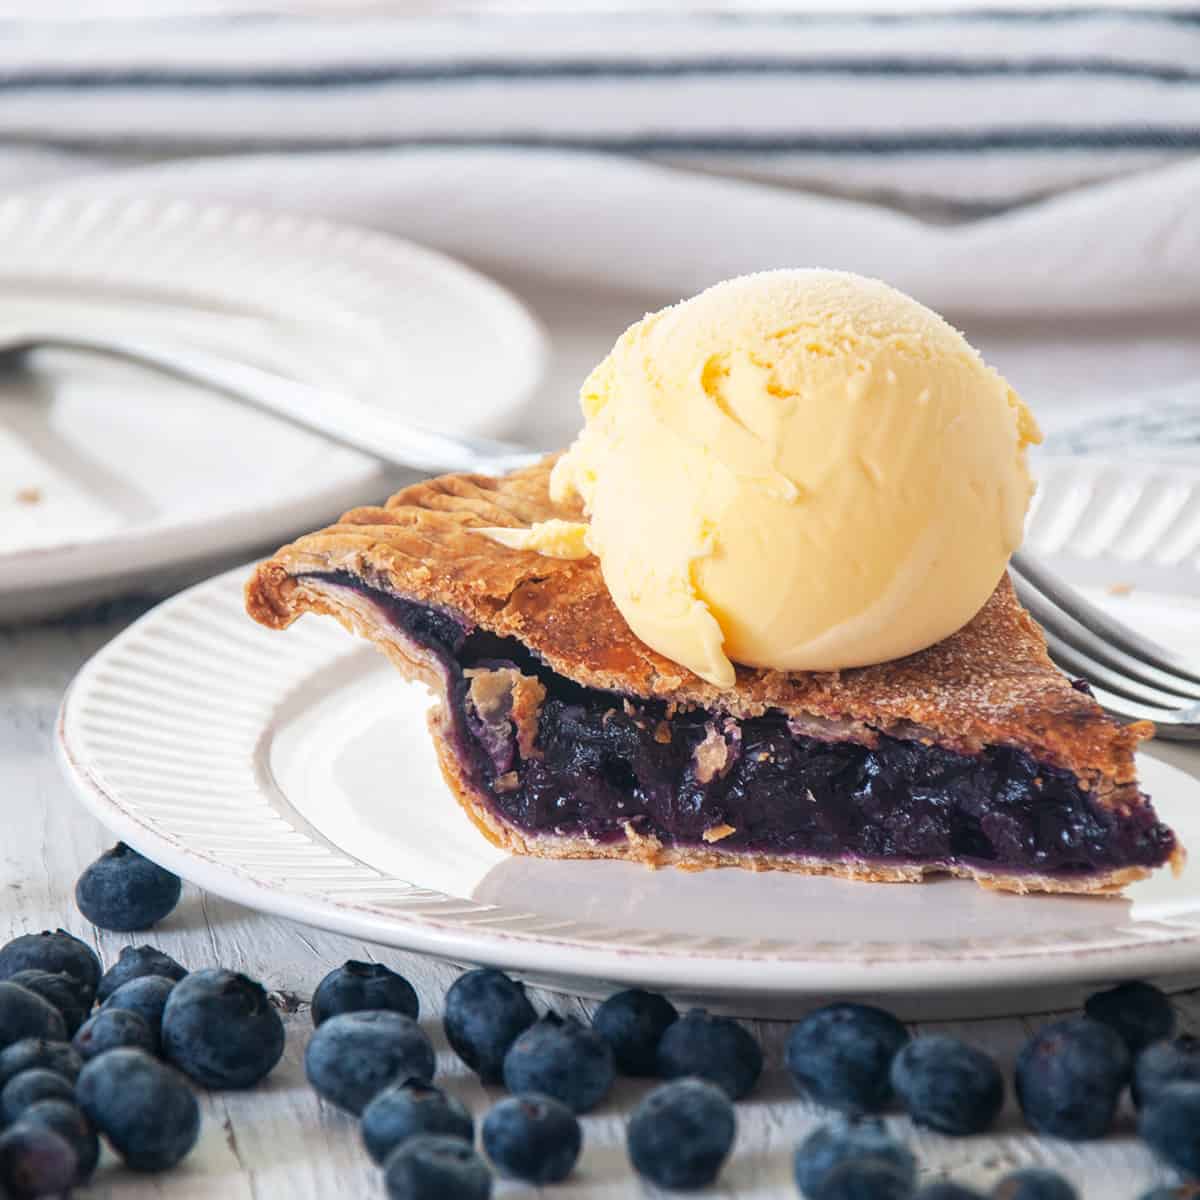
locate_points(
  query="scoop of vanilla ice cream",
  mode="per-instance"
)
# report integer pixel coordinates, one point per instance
(800, 469)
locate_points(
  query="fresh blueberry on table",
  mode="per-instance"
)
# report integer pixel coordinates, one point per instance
(1176, 1061)
(60, 1057)
(948, 1085)
(1034, 1183)
(431, 1166)
(948, 1190)
(1069, 1077)
(681, 1133)
(123, 890)
(561, 1058)
(221, 1030)
(841, 1055)
(363, 987)
(145, 1109)
(865, 1179)
(1139, 1013)
(714, 1048)
(485, 1012)
(351, 1058)
(28, 1088)
(66, 1118)
(406, 1109)
(848, 1139)
(64, 991)
(1169, 1124)
(52, 951)
(632, 1023)
(35, 1161)
(534, 1138)
(134, 962)
(146, 995)
(25, 1015)
(111, 1028)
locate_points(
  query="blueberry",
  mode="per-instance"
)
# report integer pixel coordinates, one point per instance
(431, 1166)
(111, 1028)
(563, 1059)
(37, 1052)
(145, 1109)
(406, 1109)
(485, 1013)
(146, 995)
(363, 987)
(632, 1023)
(714, 1048)
(865, 1179)
(47, 951)
(24, 1015)
(350, 1059)
(947, 1190)
(1069, 1078)
(948, 1085)
(845, 1139)
(532, 1137)
(841, 1055)
(134, 962)
(681, 1133)
(64, 991)
(28, 1088)
(1169, 1124)
(1176, 1061)
(66, 1118)
(1140, 1013)
(1034, 1183)
(221, 1029)
(35, 1161)
(122, 891)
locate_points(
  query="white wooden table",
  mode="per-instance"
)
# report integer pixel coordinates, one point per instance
(279, 1142)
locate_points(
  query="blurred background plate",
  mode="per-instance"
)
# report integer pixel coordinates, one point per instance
(115, 478)
(295, 774)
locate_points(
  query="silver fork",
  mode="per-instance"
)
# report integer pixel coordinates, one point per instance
(340, 417)
(1131, 676)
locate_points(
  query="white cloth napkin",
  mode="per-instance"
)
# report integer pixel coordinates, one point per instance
(963, 110)
(1062, 147)
(608, 223)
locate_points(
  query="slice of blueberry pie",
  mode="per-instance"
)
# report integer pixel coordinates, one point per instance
(564, 735)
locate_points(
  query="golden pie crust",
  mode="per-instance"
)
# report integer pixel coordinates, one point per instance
(991, 683)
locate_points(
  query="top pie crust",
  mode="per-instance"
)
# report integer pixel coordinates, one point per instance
(991, 683)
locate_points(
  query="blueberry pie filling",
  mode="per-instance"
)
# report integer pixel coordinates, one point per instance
(562, 735)
(585, 763)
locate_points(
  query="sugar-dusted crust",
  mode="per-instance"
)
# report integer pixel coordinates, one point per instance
(991, 683)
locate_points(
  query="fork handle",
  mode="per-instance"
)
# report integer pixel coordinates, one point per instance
(339, 417)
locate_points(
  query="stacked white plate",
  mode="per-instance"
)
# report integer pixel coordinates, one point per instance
(110, 474)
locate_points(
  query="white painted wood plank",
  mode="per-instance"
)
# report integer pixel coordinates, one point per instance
(278, 1142)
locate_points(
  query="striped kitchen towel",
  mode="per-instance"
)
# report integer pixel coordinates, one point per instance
(949, 113)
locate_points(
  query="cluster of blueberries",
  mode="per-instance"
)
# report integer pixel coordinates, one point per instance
(124, 1070)
(86, 1052)
(850, 1057)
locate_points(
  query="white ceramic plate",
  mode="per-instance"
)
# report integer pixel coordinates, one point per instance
(294, 773)
(108, 471)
